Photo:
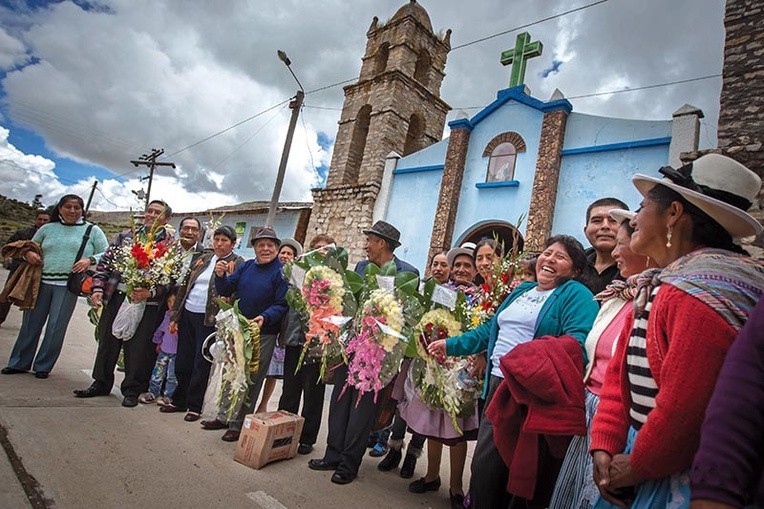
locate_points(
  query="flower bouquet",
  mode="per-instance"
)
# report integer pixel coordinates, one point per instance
(444, 383)
(237, 351)
(383, 326)
(143, 262)
(324, 297)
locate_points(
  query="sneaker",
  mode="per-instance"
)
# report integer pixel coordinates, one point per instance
(146, 398)
(378, 450)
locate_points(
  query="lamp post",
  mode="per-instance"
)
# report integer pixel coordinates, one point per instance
(295, 105)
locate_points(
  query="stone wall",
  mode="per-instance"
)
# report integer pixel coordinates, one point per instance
(544, 195)
(343, 212)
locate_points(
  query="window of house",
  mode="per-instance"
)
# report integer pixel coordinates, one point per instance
(501, 163)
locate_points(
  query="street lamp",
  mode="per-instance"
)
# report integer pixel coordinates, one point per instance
(295, 105)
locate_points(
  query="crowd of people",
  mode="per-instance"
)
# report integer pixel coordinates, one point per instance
(626, 375)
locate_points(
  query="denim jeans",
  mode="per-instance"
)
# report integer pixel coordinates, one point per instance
(164, 371)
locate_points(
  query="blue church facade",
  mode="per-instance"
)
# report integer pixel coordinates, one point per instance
(595, 158)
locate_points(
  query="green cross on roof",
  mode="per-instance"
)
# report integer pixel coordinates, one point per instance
(523, 50)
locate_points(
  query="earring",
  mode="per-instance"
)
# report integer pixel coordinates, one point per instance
(668, 236)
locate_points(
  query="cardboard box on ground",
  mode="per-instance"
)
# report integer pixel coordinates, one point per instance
(268, 437)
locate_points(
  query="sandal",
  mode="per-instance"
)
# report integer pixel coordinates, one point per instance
(146, 398)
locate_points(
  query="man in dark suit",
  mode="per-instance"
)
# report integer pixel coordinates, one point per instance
(351, 423)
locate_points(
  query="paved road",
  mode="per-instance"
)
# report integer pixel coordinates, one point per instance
(95, 453)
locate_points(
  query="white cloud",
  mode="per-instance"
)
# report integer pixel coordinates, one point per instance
(109, 83)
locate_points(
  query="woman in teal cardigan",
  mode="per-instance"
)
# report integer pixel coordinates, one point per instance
(556, 305)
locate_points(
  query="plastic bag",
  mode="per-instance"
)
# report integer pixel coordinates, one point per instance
(127, 319)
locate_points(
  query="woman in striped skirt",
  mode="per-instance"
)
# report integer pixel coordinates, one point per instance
(647, 427)
(575, 488)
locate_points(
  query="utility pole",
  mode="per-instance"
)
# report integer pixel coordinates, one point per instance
(90, 198)
(150, 160)
(295, 105)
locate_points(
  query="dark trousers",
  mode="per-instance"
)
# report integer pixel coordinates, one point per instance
(4, 308)
(191, 368)
(140, 350)
(349, 425)
(399, 432)
(488, 483)
(306, 383)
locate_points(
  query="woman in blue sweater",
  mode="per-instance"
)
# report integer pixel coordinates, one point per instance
(555, 305)
(60, 240)
(261, 290)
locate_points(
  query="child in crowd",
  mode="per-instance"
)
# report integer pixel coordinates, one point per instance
(164, 369)
(526, 271)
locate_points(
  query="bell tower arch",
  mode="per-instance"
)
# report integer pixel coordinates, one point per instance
(395, 106)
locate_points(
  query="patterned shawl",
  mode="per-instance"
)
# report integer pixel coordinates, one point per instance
(730, 283)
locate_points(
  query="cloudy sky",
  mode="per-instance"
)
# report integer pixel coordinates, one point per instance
(86, 86)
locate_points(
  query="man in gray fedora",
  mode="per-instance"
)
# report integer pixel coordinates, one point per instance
(351, 423)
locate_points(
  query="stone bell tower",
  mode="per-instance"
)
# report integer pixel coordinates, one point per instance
(394, 107)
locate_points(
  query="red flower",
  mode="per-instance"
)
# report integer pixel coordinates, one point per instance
(486, 288)
(442, 334)
(161, 250)
(504, 277)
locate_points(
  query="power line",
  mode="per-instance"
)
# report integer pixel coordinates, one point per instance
(220, 163)
(548, 18)
(228, 128)
(618, 91)
(105, 198)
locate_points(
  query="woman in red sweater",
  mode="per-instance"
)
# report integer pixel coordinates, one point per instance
(658, 384)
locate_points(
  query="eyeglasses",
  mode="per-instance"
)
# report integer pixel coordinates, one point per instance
(189, 229)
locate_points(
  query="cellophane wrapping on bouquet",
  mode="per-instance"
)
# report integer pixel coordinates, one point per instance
(383, 325)
(236, 353)
(144, 263)
(443, 383)
(322, 290)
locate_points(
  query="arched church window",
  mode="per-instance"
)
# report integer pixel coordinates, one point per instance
(502, 155)
(414, 134)
(358, 144)
(422, 69)
(501, 164)
(380, 61)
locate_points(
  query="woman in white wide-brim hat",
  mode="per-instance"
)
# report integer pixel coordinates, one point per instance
(658, 384)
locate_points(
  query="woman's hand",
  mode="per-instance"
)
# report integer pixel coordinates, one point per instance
(173, 328)
(437, 348)
(601, 461)
(81, 265)
(96, 299)
(139, 295)
(259, 320)
(32, 258)
(220, 268)
(621, 474)
(479, 364)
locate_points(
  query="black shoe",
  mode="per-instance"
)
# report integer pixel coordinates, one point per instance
(320, 464)
(408, 466)
(91, 392)
(457, 500)
(338, 478)
(12, 371)
(41, 374)
(130, 401)
(391, 460)
(304, 449)
(422, 486)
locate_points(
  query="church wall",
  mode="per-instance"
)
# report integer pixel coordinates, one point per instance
(588, 177)
(412, 205)
(502, 203)
(590, 130)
